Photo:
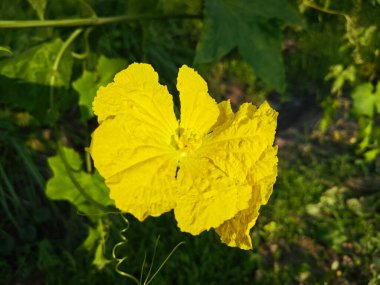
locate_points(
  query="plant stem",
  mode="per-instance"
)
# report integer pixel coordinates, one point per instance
(322, 9)
(95, 21)
(349, 21)
(56, 63)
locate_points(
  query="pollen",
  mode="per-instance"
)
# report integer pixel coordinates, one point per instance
(188, 142)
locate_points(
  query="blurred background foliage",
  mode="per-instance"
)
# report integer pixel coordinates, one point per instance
(317, 62)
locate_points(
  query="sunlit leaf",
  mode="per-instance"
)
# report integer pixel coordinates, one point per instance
(89, 82)
(86, 86)
(26, 77)
(366, 99)
(35, 65)
(95, 241)
(66, 167)
(366, 132)
(92, 238)
(5, 49)
(100, 261)
(341, 75)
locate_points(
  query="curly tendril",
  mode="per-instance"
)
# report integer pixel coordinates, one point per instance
(120, 260)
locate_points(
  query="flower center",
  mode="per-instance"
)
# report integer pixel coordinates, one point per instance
(188, 142)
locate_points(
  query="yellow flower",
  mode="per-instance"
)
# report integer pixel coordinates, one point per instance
(215, 168)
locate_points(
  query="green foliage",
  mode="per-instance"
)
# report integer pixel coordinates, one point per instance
(84, 190)
(89, 82)
(32, 70)
(5, 49)
(322, 217)
(35, 65)
(95, 242)
(340, 76)
(39, 6)
(318, 227)
(350, 50)
(366, 99)
(251, 28)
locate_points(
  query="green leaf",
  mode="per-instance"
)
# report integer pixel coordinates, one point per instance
(86, 86)
(340, 76)
(330, 107)
(249, 26)
(35, 65)
(366, 134)
(366, 100)
(92, 239)
(33, 97)
(377, 97)
(5, 49)
(25, 79)
(89, 82)
(108, 67)
(262, 50)
(96, 241)
(371, 155)
(86, 9)
(62, 187)
(100, 260)
(39, 6)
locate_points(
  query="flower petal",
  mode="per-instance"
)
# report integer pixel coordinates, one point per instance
(147, 188)
(132, 147)
(198, 110)
(136, 91)
(138, 167)
(208, 196)
(264, 172)
(235, 232)
(237, 144)
(241, 145)
(225, 113)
